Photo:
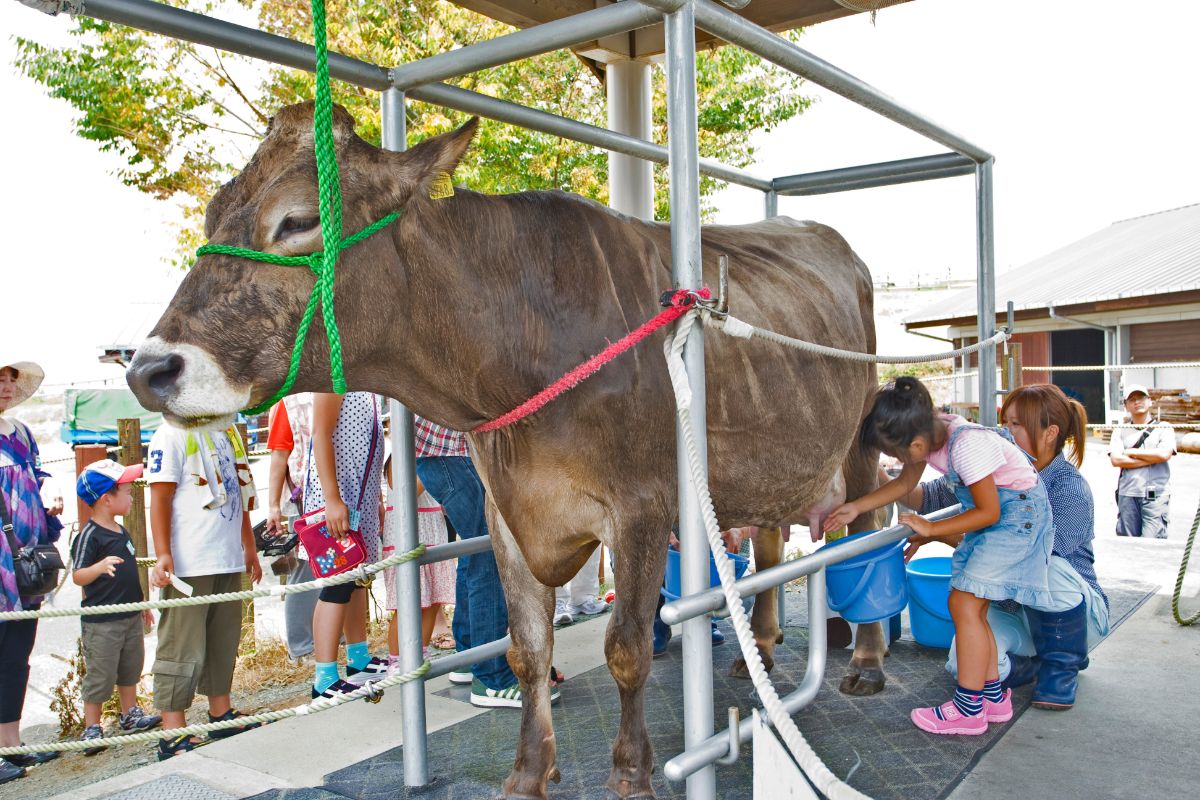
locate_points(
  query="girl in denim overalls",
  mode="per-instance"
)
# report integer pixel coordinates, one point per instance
(1003, 537)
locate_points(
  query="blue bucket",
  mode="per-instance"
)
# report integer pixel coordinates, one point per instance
(672, 590)
(929, 613)
(868, 587)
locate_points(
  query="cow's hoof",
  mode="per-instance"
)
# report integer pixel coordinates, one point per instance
(523, 787)
(625, 789)
(642, 794)
(779, 638)
(863, 683)
(740, 670)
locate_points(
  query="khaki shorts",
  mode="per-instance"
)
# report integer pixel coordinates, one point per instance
(114, 653)
(197, 645)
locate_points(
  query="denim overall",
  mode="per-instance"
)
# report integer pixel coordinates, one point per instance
(1010, 559)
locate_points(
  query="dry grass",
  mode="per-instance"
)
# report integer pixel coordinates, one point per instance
(268, 664)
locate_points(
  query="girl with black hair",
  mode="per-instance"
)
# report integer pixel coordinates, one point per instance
(1006, 533)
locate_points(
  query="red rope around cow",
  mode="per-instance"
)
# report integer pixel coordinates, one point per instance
(677, 304)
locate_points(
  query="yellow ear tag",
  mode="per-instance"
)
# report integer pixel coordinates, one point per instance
(442, 187)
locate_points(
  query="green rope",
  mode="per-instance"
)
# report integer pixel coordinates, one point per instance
(1187, 555)
(323, 263)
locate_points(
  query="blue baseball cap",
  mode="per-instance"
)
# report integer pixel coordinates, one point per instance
(99, 478)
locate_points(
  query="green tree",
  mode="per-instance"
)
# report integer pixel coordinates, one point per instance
(184, 118)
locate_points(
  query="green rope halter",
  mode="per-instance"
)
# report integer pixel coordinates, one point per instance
(324, 262)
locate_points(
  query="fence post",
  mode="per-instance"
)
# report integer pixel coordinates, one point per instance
(86, 454)
(248, 637)
(1012, 367)
(129, 437)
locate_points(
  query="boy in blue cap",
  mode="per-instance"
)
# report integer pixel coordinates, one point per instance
(104, 565)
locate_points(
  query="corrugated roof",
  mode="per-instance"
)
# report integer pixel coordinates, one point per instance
(1155, 254)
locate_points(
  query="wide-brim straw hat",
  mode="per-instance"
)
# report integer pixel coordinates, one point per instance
(29, 378)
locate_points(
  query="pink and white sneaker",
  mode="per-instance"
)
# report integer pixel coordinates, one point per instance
(947, 719)
(999, 712)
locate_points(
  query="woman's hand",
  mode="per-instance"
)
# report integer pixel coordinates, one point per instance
(55, 507)
(337, 518)
(841, 516)
(253, 568)
(914, 544)
(164, 568)
(275, 522)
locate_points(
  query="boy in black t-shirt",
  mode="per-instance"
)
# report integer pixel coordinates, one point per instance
(104, 565)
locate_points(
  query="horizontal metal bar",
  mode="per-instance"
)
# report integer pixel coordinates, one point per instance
(713, 599)
(474, 103)
(191, 27)
(463, 659)
(460, 547)
(887, 173)
(554, 35)
(737, 30)
(717, 746)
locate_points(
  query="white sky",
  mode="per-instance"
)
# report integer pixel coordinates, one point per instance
(1085, 104)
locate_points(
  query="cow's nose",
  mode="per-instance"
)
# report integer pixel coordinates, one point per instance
(152, 377)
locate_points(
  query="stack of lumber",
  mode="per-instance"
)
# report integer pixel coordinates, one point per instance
(1176, 406)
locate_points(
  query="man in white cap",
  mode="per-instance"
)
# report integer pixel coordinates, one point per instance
(1142, 451)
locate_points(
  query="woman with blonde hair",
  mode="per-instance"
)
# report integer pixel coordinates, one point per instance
(1048, 644)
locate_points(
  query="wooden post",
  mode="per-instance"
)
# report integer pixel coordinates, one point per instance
(129, 436)
(248, 638)
(86, 454)
(1011, 370)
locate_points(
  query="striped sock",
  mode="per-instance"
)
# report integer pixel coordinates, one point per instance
(992, 691)
(325, 676)
(969, 702)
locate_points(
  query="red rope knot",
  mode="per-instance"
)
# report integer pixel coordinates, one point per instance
(684, 298)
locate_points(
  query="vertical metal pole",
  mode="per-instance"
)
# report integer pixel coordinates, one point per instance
(985, 290)
(630, 179)
(770, 204)
(403, 499)
(686, 272)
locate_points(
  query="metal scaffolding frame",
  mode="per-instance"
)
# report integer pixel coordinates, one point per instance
(421, 80)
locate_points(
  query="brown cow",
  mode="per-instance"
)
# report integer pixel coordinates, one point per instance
(469, 305)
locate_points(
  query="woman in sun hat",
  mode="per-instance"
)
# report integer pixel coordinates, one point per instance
(21, 478)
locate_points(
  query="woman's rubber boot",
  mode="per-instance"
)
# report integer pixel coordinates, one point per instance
(1061, 644)
(662, 631)
(1022, 670)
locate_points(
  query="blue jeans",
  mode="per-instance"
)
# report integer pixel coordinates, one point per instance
(480, 611)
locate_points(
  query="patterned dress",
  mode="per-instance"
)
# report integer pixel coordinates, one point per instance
(358, 422)
(20, 471)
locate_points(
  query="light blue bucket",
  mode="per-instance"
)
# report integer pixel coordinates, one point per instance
(929, 612)
(868, 587)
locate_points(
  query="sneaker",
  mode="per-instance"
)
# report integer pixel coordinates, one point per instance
(375, 670)
(662, 637)
(590, 607)
(508, 697)
(169, 748)
(32, 759)
(92, 733)
(717, 636)
(225, 733)
(10, 771)
(947, 719)
(138, 720)
(562, 613)
(336, 689)
(461, 678)
(999, 712)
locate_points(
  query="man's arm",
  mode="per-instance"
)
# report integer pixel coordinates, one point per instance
(1126, 462)
(162, 500)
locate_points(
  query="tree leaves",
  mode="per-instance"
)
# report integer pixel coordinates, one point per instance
(184, 118)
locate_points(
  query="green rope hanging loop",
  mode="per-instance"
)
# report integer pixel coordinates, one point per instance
(322, 263)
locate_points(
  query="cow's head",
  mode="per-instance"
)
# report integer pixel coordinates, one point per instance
(226, 339)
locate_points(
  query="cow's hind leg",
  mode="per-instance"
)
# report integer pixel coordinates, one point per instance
(640, 564)
(530, 605)
(764, 620)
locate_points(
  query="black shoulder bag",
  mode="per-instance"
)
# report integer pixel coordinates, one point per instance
(36, 566)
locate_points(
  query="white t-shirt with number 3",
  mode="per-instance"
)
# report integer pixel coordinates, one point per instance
(204, 541)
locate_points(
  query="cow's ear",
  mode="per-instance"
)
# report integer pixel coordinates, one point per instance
(414, 171)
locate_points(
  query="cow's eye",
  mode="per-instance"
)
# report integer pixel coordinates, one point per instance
(296, 223)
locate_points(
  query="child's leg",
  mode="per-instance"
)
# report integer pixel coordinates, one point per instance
(429, 616)
(993, 670)
(91, 714)
(355, 626)
(976, 645)
(128, 695)
(393, 635)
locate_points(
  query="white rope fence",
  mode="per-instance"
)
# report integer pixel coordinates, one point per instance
(372, 692)
(821, 776)
(358, 574)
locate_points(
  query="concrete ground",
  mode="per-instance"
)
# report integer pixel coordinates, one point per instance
(1127, 738)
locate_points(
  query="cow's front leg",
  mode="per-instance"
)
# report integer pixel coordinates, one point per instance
(627, 647)
(530, 605)
(865, 675)
(764, 620)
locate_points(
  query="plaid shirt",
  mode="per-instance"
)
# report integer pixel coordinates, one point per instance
(433, 440)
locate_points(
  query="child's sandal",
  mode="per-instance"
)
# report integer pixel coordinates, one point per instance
(169, 748)
(225, 733)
